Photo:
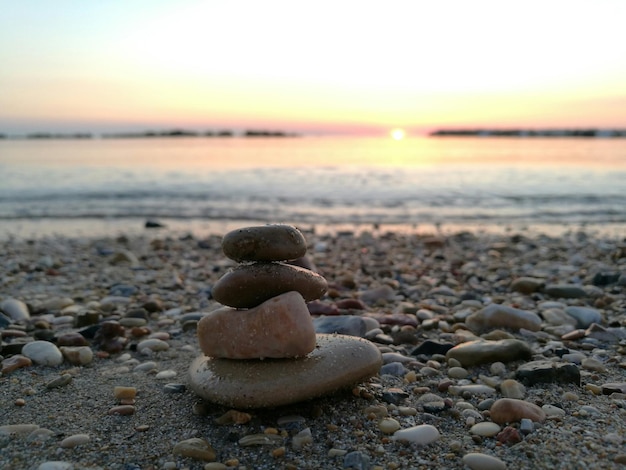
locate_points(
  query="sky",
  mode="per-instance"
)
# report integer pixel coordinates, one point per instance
(323, 67)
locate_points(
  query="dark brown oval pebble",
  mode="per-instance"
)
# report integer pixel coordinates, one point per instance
(250, 285)
(264, 243)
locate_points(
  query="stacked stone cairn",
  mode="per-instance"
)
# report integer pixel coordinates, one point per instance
(261, 349)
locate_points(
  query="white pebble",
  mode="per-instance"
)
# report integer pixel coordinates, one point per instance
(553, 411)
(485, 429)
(16, 309)
(75, 440)
(152, 344)
(421, 435)
(43, 352)
(17, 429)
(477, 461)
(301, 439)
(166, 374)
(146, 366)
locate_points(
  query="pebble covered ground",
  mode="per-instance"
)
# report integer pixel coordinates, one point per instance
(500, 351)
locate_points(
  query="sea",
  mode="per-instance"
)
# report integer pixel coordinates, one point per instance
(203, 185)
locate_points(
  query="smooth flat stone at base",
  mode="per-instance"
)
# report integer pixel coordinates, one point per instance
(337, 362)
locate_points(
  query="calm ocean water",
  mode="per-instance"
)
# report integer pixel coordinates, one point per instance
(87, 187)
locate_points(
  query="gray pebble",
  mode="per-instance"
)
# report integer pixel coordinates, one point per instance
(356, 461)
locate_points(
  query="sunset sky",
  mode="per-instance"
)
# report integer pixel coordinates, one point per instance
(315, 67)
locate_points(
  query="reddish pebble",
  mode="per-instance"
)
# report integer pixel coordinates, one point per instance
(572, 335)
(20, 402)
(350, 304)
(510, 410)
(15, 362)
(12, 333)
(320, 308)
(72, 339)
(509, 436)
(139, 331)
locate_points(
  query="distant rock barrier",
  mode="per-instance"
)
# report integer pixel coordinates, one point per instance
(587, 133)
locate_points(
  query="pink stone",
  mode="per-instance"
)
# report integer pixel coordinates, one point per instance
(280, 327)
(510, 410)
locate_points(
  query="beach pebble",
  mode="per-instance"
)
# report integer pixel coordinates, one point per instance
(457, 373)
(351, 325)
(337, 362)
(278, 328)
(388, 425)
(152, 344)
(553, 411)
(482, 351)
(430, 347)
(77, 355)
(590, 363)
(74, 440)
(503, 316)
(124, 393)
(56, 465)
(166, 374)
(510, 410)
(356, 460)
(61, 381)
(123, 410)
(274, 242)
(479, 461)
(584, 316)
(302, 439)
(174, 388)
(511, 388)
(17, 429)
(71, 339)
(614, 387)
(249, 285)
(535, 372)
(195, 448)
(485, 429)
(565, 291)
(15, 362)
(15, 309)
(393, 368)
(422, 435)
(43, 353)
(472, 389)
(147, 366)
(527, 285)
(260, 439)
(378, 294)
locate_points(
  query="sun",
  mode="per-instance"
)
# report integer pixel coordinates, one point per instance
(398, 134)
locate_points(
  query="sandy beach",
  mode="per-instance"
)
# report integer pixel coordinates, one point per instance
(421, 289)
